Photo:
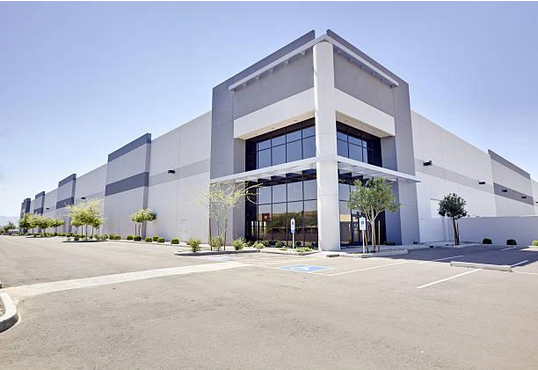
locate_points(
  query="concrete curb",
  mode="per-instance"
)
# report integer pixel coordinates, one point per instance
(11, 315)
(379, 254)
(483, 266)
(215, 253)
(288, 252)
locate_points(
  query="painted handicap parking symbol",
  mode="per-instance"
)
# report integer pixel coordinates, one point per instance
(304, 268)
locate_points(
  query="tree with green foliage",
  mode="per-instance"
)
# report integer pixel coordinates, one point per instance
(220, 199)
(7, 228)
(26, 222)
(453, 207)
(371, 199)
(86, 214)
(141, 218)
(56, 223)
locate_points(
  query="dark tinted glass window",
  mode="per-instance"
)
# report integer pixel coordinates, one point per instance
(296, 135)
(295, 191)
(309, 147)
(294, 151)
(310, 189)
(355, 152)
(264, 144)
(264, 195)
(279, 193)
(343, 191)
(310, 131)
(278, 140)
(279, 154)
(264, 158)
(342, 148)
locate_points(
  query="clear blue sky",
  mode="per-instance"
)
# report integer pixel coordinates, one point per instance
(79, 80)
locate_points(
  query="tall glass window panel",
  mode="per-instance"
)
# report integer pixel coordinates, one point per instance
(279, 193)
(295, 210)
(278, 223)
(295, 191)
(342, 148)
(345, 223)
(264, 222)
(264, 195)
(343, 191)
(311, 221)
(294, 151)
(309, 147)
(279, 154)
(310, 189)
(264, 158)
(355, 152)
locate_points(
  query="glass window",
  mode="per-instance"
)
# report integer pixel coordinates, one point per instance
(266, 144)
(263, 222)
(310, 189)
(309, 131)
(264, 195)
(354, 140)
(279, 140)
(294, 151)
(365, 155)
(292, 136)
(309, 147)
(278, 223)
(341, 135)
(342, 148)
(343, 191)
(295, 191)
(311, 221)
(355, 152)
(264, 158)
(279, 154)
(279, 193)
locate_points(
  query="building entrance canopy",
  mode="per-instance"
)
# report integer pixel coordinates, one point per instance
(345, 165)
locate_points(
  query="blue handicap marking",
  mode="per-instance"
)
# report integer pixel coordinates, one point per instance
(304, 268)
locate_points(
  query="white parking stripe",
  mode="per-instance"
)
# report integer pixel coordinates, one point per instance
(525, 273)
(508, 249)
(519, 263)
(448, 278)
(56, 286)
(442, 259)
(367, 268)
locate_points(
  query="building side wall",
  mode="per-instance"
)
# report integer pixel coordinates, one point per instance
(458, 167)
(535, 195)
(173, 196)
(524, 229)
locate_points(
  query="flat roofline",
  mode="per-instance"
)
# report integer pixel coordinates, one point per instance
(301, 49)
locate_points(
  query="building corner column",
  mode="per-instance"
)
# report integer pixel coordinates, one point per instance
(326, 170)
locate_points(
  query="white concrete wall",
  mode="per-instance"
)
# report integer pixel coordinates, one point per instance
(50, 203)
(535, 195)
(458, 167)
(524, 229)
(186, 150)
(91, 185)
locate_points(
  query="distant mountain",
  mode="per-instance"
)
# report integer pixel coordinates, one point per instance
(5, 219)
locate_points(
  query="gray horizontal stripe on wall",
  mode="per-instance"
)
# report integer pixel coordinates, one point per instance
(142, 140)
(38, 211)
(497, 158)
(183, 172)
(67, 179)
(65, 202)
(129, 183)
(42, 194)
(449, 175)
(512, 194)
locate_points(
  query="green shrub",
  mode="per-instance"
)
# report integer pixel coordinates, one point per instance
(129, 237)
(487, 241)
(111, 237)
(148, 239)
(155, 238)
(117, 237)
(160, 240)
(304, 249)
(390, 243)
(279, 244)
(535, 243)
(266, 243)
(76, 237)
(137, 238)
(174, 241)
(259, 245)
(194, 244)
(216, 242)
(283, 248)
(511, 242)
(239, 244)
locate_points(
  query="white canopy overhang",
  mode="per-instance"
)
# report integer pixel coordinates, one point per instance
(345, 165)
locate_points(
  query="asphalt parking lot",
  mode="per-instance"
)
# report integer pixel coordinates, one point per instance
(126, 306)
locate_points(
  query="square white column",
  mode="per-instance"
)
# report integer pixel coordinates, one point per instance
(327, 170)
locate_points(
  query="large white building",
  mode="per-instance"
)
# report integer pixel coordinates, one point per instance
(305, 122)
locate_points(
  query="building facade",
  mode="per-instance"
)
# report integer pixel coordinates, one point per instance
(304, 124)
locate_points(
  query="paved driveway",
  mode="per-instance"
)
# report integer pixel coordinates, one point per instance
(265, 312)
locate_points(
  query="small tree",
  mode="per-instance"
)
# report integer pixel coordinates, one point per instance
(141, 217)
(453, 206)
(370, 199)
(25, 223)
(220, 199)
(86, 214)
(10, 226)
(56, 222)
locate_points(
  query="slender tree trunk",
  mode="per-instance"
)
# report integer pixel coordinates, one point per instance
(456, 238)
(225, 231)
